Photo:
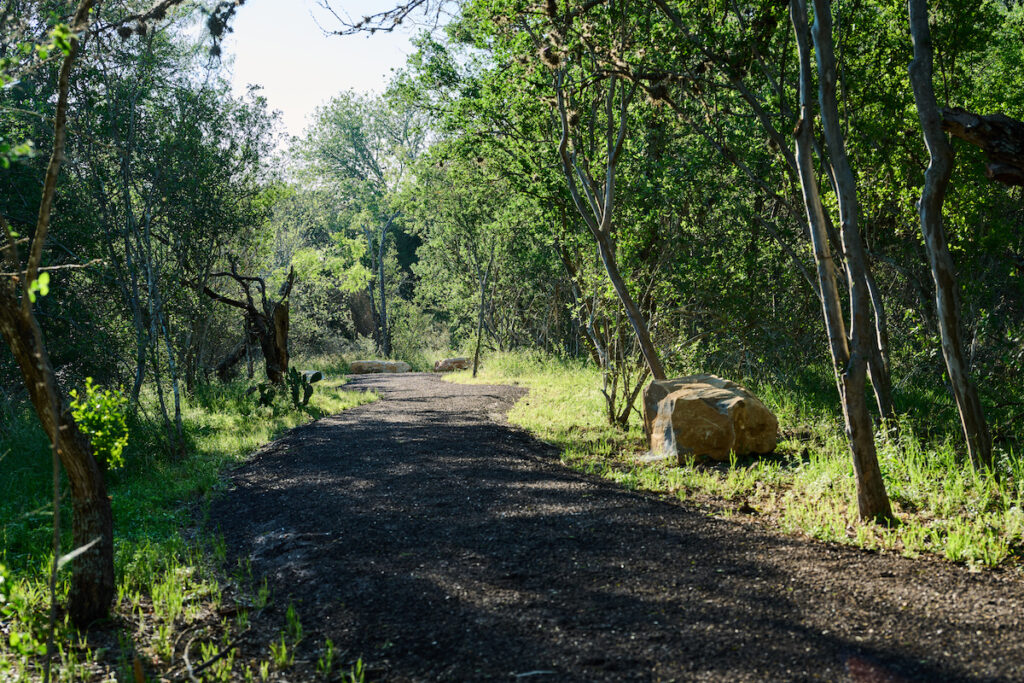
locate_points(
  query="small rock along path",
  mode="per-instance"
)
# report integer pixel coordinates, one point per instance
(425, 535)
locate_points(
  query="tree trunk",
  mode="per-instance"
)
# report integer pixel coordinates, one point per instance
(274, 344)
(385, 331)
(598, 209)
(933, 194)
(850, 371)
(636, 318)
(879, 369)
(480, 319)
(92, 581)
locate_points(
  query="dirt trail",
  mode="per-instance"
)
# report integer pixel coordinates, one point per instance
(426, 536)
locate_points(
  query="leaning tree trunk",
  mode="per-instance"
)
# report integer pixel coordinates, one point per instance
(933, 194)
(636, 318)
(850, 371)
(92, 580)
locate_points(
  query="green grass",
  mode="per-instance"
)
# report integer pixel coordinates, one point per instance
(164, 581)
(945, 505)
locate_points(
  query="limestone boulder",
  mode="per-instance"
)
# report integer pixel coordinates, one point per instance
(450, 364)
(366, 367)
(705, 415)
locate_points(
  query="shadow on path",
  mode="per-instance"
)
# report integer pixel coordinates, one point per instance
(437, 544)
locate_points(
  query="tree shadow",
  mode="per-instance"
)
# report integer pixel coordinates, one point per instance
(443, 546)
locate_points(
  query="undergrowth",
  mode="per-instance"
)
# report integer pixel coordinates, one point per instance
(946, 507)
(170, 582)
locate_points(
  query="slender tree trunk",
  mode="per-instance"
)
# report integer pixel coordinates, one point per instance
(385, 330)
(179, 432)
(933, 194)
(636, 318)
(480, 319)
(370, 286)
(850, 368)
(376, 280)
(879, 368)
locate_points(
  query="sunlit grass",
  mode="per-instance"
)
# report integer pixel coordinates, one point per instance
(165, 582)
(945, 505)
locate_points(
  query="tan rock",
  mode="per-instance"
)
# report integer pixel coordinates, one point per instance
(449, 364)
(366, 367)
(705, 415)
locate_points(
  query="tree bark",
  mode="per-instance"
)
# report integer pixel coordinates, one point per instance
(879, 368)
(933, 194)
(850, 368)
(385, 331)
(275, 344)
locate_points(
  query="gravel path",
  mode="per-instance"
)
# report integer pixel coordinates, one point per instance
(428, 537)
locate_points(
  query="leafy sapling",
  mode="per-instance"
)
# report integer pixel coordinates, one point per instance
(100, 414)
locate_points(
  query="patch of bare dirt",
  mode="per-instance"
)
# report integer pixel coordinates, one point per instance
(426, 536)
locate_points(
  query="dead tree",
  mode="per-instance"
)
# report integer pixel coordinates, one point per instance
(266, 324)
(999, 136)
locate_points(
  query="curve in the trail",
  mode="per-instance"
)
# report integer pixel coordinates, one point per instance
(426, 536)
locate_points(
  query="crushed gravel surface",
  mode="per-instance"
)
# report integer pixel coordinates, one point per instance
(428, 537)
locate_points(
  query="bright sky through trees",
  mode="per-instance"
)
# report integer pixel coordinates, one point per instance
(277, 44)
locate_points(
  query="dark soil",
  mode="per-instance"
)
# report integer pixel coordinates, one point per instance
(426, 536)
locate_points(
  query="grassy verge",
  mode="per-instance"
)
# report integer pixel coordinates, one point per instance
(171, 590)
(947, 508)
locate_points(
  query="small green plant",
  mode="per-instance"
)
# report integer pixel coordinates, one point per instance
(100, 414)
(325, 664)
(5, 585)
(294, 625)
(281, 654)
(268, 392)
(262, 596)
(300, 386)
(357, 674)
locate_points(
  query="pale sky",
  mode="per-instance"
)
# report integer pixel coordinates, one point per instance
(278, 45)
